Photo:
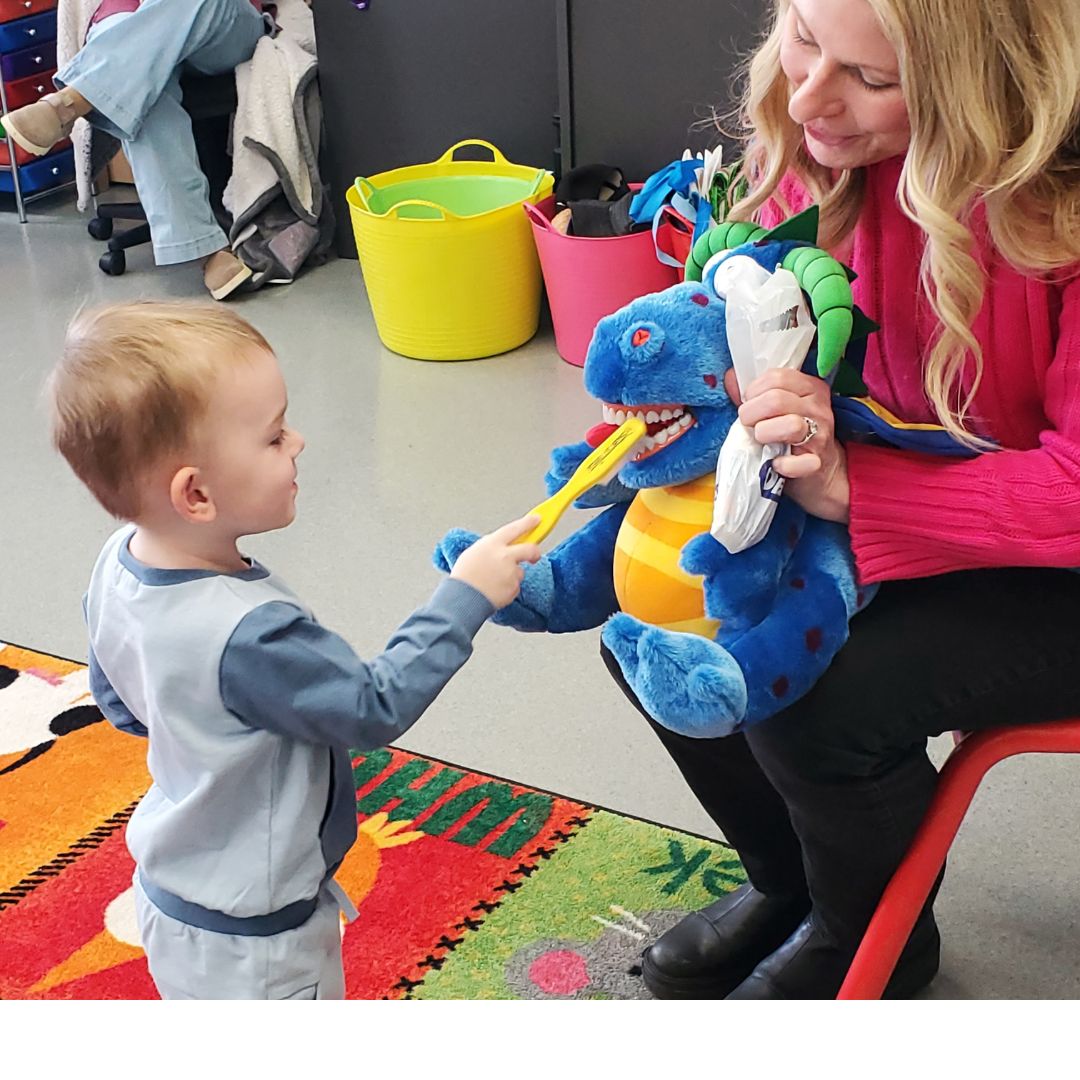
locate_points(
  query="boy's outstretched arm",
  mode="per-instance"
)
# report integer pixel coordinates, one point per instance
(283, 672)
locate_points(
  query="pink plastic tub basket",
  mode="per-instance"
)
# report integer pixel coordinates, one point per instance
(589, 277)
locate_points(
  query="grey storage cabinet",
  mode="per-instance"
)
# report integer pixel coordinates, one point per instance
(551, 82)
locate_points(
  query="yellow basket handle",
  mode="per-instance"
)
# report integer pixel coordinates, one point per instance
(496, 153)
(541, 176)
(359, 183)
(444, 213)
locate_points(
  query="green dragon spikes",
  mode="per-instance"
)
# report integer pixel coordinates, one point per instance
(825, 281)
(722, 237)
(820, 276)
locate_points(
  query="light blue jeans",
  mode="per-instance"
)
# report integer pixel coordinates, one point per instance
(129, 70)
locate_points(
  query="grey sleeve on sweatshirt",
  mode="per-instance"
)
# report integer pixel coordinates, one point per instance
(109, 702)
(283, 672)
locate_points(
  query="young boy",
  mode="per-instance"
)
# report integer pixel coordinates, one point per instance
(173, 415)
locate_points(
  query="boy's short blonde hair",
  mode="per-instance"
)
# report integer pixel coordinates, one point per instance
(132, 385)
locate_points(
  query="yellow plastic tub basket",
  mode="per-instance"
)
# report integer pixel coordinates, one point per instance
(447, 254)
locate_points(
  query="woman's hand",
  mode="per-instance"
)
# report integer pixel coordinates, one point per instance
(777, 409)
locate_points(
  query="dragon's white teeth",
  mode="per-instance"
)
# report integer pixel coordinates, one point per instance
(661, 437)
(677, 419)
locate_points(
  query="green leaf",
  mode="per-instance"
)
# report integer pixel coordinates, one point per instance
(802, 227)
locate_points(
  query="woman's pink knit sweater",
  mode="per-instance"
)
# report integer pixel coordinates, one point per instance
(914, 515)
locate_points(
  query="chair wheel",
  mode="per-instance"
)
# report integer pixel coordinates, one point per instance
(113, 263)
(100, 228)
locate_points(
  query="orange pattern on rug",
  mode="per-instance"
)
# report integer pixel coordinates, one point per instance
(436, 844)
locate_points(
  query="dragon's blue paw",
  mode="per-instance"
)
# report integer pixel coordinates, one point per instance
(531, 611)
(532, 608)
(448, 550)
(687, 683)
(565, 460)
(703, 554)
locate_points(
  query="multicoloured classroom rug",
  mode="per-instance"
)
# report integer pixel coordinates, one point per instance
(468, 886)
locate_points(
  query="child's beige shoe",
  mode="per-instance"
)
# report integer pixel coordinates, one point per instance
(38, 127)
(224, 273)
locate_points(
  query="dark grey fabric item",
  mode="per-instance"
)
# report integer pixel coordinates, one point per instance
(600, 217)
(600, 182)
(279, 245)
(599, 201)
(276, 236)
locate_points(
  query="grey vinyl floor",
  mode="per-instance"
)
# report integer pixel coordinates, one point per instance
(398, 451)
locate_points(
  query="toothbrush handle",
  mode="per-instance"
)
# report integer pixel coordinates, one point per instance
(550, 510)
(591, 471)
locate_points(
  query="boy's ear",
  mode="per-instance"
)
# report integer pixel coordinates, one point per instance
(190, 497)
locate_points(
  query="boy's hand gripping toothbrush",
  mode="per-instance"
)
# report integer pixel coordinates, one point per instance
(607, 457)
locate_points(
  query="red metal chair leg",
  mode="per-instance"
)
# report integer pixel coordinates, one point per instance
(906, 893)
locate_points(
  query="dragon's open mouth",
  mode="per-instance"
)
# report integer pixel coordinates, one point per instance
(666, 423)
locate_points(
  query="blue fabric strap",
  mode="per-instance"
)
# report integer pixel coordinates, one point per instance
(276, 922)
(861, 419)
(661, 254)
(695, 209)
(679, 176)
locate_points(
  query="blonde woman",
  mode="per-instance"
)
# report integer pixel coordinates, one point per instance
(943, 143)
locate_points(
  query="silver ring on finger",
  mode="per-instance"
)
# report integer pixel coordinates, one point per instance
(811, 431)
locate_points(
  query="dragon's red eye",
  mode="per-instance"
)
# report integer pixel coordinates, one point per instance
(641, 335)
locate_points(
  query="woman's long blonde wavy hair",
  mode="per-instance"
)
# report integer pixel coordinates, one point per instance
(993, 94)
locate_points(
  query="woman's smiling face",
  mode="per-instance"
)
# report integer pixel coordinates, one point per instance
(845, 83)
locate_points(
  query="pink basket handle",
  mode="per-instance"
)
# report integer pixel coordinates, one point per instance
(537, 216)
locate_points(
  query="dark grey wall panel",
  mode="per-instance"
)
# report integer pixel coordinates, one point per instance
(405, 79)
(642, 72)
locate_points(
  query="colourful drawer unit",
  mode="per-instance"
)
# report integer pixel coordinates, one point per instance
(42, 174)
(27, 65)
(27, 91)
(27, 62)
(10, 10)
(23, 157)
(27, 33)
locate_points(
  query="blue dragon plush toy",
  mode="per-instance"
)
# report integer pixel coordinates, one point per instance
(710, 642)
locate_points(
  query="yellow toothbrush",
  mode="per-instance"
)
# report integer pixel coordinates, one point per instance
(603, 460)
